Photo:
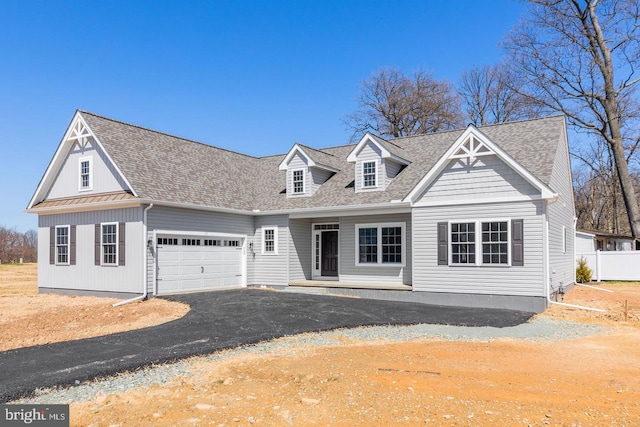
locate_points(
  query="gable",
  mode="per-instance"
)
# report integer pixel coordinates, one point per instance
(485, 177)
(104, 176)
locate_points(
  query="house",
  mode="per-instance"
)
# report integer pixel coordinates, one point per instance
(591, 241)
(472, 217)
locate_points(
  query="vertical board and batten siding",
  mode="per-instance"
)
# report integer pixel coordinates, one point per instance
(350, 272)
(105, 178)
(85, 275)
(369, 153)
(270, 269)
(191, 220)
(561, 213)
(526, 280)
(300, 249)
(487, 177)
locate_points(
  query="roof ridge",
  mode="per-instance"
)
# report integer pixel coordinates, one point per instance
(166, 134)
(315, 149)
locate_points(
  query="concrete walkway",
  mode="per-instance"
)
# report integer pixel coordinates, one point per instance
(217, 321)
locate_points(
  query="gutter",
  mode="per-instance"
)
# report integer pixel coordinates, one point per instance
(144, 262)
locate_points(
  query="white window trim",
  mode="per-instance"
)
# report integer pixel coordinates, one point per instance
(304, 182)
(68, 245)
(275, 239)
(376, 162)
(117, 243)
(379, 226)
(90, 160)
(564, 239)
(478, 242)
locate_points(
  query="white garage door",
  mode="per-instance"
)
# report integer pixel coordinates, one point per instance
(196, 263)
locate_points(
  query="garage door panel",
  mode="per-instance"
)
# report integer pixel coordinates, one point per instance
(183, 268)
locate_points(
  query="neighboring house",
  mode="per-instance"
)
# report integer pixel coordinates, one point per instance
(472, 217)
(591, 241)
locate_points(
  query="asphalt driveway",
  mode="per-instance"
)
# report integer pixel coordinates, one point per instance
(217, 321)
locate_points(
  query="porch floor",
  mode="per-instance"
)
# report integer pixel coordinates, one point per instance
(349, 285)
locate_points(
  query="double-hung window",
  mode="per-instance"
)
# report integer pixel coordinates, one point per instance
(86, 180)
(369, 174)
(62, 245)
(479, 243)
(109, 244)
(298, 181)
(380, 244)
(269, 240)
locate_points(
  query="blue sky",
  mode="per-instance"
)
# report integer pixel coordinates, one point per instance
(251, 76)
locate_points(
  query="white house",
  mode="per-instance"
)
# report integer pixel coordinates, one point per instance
(476, 217)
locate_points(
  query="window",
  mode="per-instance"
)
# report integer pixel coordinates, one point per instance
(109, 244)
(380, 244)
(482, 243)
(234, 243)
(564, 239)
(368, 245)
(269, 240)
(369, 174)
(495, 240)
(167, 241)
(463, 248)
(85, 174)
(62, 245)
(298, 181)
(190, 242)
(212, 242)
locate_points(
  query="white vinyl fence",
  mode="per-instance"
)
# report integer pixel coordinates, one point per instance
(612, 265)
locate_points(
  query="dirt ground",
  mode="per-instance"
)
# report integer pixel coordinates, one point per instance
(591, 381)
(28, 318)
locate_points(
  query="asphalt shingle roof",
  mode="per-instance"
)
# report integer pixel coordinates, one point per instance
(167, 168)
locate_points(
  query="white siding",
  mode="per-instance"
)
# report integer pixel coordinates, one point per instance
(191, 220)
(561, 214)
(270, 269)
(350, 272)
(299, 249)
(368, 153)
(318, 177)
(487, 177)
(85, 275)
(500, 280)
(104, 176)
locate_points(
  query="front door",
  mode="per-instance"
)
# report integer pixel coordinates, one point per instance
(329, 267)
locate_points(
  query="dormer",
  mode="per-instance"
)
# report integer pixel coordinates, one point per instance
(307, 169)
(377, 162)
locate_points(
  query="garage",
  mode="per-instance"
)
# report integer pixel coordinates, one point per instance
(198, 263)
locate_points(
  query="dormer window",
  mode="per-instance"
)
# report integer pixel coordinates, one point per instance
(298, 181)
(369, 174)
(85, 178)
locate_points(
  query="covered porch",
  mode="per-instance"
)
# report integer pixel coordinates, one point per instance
(349, 285)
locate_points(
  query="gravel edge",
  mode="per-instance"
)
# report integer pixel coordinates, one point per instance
(538, 329)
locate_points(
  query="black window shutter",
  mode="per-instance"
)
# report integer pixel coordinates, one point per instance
(52, 245)
(443, 243)
(72, 245)
(97, 244)
(517, 242)
(121, 232)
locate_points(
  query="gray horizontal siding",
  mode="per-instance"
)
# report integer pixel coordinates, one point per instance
(85, 275)
(486, 177)
(299, 249)
(523, 281)
(350, 272)
(105, 177)
(390, 169)
(561, 214)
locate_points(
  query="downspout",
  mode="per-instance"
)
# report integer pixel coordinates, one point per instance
(547, 280)
(144, 262)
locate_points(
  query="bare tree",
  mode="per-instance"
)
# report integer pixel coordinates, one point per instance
(580, 57)
(392, 104)
(15, 245)
(489, 96)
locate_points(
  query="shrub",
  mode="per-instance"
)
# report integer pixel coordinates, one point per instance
(583, 272)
